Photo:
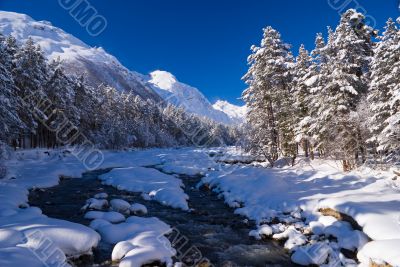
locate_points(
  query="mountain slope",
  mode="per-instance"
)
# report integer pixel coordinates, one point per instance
(77, 57)
(188, 97)
(103, 68)
(235, 113)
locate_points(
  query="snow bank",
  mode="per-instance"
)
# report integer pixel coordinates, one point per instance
(163, 188)
(366, 195)
(381, 252)
(188, 162)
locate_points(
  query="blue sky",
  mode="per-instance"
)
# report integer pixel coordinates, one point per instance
(203, 43)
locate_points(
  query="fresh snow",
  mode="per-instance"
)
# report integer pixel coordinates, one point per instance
(161, 187)
(290, 194)
(362, 194)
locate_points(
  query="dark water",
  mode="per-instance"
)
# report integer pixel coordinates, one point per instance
(210, 231)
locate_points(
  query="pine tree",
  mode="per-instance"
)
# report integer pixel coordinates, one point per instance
(383, 97)
(60, 91)
(268, 79)
(30, 75)
(304, 72)
(10, 124)
(349, 49)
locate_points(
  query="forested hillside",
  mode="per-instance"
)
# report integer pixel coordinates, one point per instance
(39, 103)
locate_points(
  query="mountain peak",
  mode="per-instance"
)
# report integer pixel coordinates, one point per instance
(162, 79)
(236, 113)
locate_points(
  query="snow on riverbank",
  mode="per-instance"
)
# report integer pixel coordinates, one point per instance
(187, 161)
(368, 196)
(22, 227)
(166, 189)
(288, 194)
(42, 168)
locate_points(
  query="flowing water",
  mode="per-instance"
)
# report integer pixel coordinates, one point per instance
(211, 229)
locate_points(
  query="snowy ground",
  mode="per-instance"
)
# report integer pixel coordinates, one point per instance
(284, 202)
(289, 195)
(24, 230)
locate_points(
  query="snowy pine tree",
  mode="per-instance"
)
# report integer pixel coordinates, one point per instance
(384, 94)
(267, 96)
(345, 82)
(10, 124)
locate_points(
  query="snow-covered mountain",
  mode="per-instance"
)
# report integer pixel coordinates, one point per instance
(77, 56)
(103, 68)
(235, 113)
(183, 95)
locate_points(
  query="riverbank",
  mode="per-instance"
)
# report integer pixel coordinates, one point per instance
(285, 202)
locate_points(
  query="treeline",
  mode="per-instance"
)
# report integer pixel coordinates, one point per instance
(38, 98)
(342, 100)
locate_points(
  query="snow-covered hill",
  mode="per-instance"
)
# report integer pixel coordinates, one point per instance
(103, 68)
(183, 95)
(236, 113)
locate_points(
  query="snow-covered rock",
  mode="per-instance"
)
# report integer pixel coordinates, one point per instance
(120, 205)
(316, 253)
(262, 231)
(111, 216)
(293, 237)
(138, 209)
(96, 204)
(114, 233)
(144, 248)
